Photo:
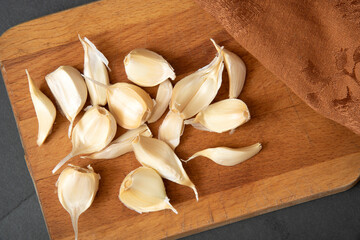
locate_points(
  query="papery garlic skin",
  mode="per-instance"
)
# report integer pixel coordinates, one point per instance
(130, 105)
(69, 89)
(222, 116)
(156, 154)
(77, 188)
(122, 144)
(92, 133)
(196, 91)
(143, 190)
(171, 129)
(147, 68)
(44, 109)
(236, 69)
(228, 156)
(163, 97)
(95, 64)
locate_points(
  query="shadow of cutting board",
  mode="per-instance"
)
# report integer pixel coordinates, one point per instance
(305, 155)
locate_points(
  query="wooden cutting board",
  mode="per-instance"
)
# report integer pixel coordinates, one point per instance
(305, 155)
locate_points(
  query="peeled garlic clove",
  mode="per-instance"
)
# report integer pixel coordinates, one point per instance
(222, 116)
(196, 91)
(77, 188)
(143, 190)
(95, 64)
(122, 144)
(163, 97)
(92, 133)
(156, 154)
(69, 90)
(45, 111)
(236, 69)
(171, 129)
(130, 105)
(147, 68)
(229, 156)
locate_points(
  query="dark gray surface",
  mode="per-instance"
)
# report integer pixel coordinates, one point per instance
(334, 217)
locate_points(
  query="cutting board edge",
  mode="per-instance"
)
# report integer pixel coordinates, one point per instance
(272, 209)
(344, 187)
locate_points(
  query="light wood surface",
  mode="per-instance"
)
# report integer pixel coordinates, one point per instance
(305, 156)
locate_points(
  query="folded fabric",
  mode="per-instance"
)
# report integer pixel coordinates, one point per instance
(312, 46)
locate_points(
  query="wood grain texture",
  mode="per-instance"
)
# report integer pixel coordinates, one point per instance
(305, 155)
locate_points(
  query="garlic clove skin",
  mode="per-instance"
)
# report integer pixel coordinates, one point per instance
(95, 64)
(69, 90)
(236, 69)
(196, 91)
(77, 188)
(171, 129)
(130, 105)
(156, 154)
(163, 97)
(44, 109)
(221, 116)
(122, 144)
(228, 156)
(92, 133)
(143, 190)
(147, 68)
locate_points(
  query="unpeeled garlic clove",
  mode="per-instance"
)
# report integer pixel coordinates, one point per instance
(196, 91)
(95, 64)
(77, 188)
(229, 156)
(163, 97)
(236, 69)
(143, 190)
(122, 144)
(130, 105)
(171, 129)
(69, 90)
(92, 133)
(156, 154)
(221, 116)
(147, 68)
(44, 108)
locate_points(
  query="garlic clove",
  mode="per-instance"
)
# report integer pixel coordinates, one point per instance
(171, 129)
(92, 133)
(156, 154)
(69, 90)
(196, 91)
(77, 188)
(221, 116)
(122, 144)
(95, 64)
(147, 68)
(228, 156)
(163, 97)
(236, 69)
(44, 108)
(130, 105)
(143, 190)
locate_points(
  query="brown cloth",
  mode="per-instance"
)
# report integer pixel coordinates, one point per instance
(312, 46)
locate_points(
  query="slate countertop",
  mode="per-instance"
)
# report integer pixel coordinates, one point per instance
(333, 217)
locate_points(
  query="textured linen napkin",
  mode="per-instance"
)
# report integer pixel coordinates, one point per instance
(313, 46)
